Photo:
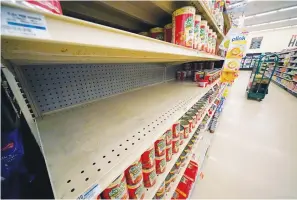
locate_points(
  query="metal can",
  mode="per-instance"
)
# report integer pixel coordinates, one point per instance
(148, 158)
(134, 173)
(160, 164)
(168, 32)
(168, 137)
(175, 129)
(160, 146)
(161, 192)
(203, 36)
(136, 191)
(117, 189)
(183, 26)
(175, 145)
(157, 33)
(197, 31)
(168, 153)
(209, 43)
(186, 127)
(149, 177)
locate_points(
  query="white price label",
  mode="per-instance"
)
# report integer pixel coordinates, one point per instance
(91, 193)
(17, 22)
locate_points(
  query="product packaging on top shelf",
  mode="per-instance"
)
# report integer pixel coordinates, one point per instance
(203, 36)
(160, 164)
(157, 33)
(197, 31)
(52, 6)
(134, 173)
(117, 189)
(149, 177)
(160, 146)
(175, 129)
(183, 26)
(168, 33)
(209, 44)
(148, 158)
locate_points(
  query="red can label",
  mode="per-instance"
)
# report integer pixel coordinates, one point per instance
(117, 189)
(168, 137)
(175, 145)
(160, 146)
(148, 158)
(137, 191)
(149, 177)
(168, 153)
(168, 33)
(175, 130)
(134, 173)
(160, 164)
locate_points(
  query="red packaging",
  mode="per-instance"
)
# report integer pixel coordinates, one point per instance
(168, 153)
(148, 158)
(186, 127)
(136, 191)
(168, 137)
(183, 26)
(175, 130)
(161, 192)
(184, 187)
(117, 189)
(177, 195)
(134, 173)
(52, 6)
(160, 146)
(168, 33)
(157, 33)
(149, 177)
(175, 145)
(160, 164)
(191, 171)
(181, 75)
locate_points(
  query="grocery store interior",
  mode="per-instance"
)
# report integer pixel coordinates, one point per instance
(148, 99)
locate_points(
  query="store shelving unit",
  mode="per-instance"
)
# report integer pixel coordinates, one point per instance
(90, 141)
(249, 61)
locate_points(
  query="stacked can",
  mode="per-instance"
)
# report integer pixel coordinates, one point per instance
(197, 31)
(203, 36)
(134, 180)
(160, 154)
(168, 33)
(148, 167)
(157, 33)
(214, 42)
(117, 189)
(209, 45)
(168, 145)
(175, 137)
(183, 26)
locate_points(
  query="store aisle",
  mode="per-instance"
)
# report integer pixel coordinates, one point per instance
(254, 150)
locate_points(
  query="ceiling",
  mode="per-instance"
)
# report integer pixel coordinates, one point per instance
(257, 7)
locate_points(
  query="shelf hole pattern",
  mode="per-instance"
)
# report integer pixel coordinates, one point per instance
(131, 143)
(58, 86)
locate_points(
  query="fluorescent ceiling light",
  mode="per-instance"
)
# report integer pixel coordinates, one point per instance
(273, 22)
(271, 12)
(272, 29)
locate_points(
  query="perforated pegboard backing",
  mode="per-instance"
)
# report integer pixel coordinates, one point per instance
(61, 85)
(171, 71)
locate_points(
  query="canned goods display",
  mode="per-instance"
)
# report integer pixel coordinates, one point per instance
(148, 158)
(183, 156)
(161, 192)
(117, 189)
(168, 181)
(160, 164)
(149, 177)
(175, 129)
(168, 153)
(214, 42)
(197, 31)
(186, 128)
(168, 137)
(157, 33)
(191, 113)
(181, 75)
(203, 36)
(160, 146)
(134, 173)
(136, 191)
(206, 39)
(168, 32)
(175, 145)
(209, 43)
(183, 26)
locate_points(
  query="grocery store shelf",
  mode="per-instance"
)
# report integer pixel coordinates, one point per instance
(100, 140)
(94, 44)
(294, 93)
(285, 78)
(161, 178)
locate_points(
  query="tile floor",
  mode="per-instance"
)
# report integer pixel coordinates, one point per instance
(254, 150)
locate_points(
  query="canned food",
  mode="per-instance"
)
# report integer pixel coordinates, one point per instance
(186, 127)
(197, 31)
(160, 164)
(192, 115)
(177, 164)
(144, 33)
(148, 158)
(168, 32)
(175, 145)
(168, 153)
(157, 33)
(183, 156)
(161, 192)
(183, 26)
(160, 146)
(206, 39)
(209, 43)
(134, 173)
(190, 144)
(136, 191)
(117, 189)
(149, 177)
(203, 36)
(168, 137)
(176, 129)
(168, 181)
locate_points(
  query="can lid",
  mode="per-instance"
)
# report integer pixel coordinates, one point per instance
(168, 26)
(184, 10)
(156, 30)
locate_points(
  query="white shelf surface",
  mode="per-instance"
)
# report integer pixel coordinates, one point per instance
(100, 140)
(91, 43)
